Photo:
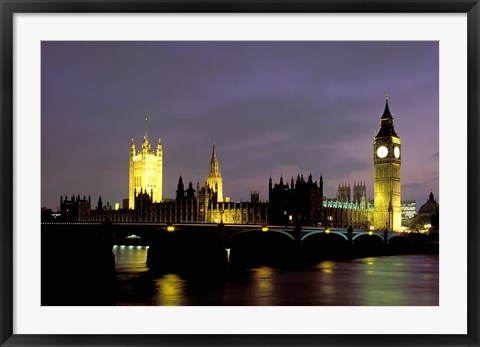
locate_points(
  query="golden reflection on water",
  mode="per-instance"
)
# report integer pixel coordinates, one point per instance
(171, 290)
(327, 267)
(381, 281)
(327, 288)
(264, 286)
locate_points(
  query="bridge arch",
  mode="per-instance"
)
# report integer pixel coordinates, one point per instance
(398, 236)
(321, 232)
(366, 234)
(369, 244)
(249, 231)
(283, 233)
(399, 243)
(250, 247)
(318, 245)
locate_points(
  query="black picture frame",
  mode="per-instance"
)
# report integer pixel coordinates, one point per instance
(9, 7)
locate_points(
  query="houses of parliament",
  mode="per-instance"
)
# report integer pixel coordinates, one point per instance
(290, 202)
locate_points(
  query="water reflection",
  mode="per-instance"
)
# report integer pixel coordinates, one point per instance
(263, 277)
(326, 284)
(327, 266)
(171, 290)
(410, 280)
(386, 283)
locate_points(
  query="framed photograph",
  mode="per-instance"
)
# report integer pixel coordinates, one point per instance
(239, 173)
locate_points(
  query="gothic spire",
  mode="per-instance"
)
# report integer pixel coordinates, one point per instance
(214, 170)
(386, 112)
(386, 123)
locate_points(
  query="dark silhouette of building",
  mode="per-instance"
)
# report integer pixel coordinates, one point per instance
(301, 202)
(74, 209)
(48, 216)
(428, 212)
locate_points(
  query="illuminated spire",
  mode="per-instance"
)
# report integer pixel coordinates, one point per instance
(214, 178)
(214, 153)
(214, 170)
(146, 129)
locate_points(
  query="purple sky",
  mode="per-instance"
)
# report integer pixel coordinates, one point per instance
(272, 108)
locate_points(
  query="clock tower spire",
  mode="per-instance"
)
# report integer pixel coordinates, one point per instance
(386, 164)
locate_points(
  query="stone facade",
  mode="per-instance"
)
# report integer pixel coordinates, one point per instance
(145, 173)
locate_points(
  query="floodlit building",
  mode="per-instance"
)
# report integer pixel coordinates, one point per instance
(145, 175)
(386, 166)
(214, 179)
(203, 204)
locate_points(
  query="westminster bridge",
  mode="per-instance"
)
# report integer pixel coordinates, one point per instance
(229, 234)
(189, 244)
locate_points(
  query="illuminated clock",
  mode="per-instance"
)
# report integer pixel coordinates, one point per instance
(396, 152)
(382, 151)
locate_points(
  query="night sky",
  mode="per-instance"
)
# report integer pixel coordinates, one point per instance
(272, 108)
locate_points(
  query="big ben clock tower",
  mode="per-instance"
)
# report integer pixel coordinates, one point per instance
(386, 164)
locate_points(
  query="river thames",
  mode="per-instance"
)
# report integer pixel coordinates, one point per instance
(400, 280)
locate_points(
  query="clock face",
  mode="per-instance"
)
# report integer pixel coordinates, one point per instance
(382, 151)
(396, 152)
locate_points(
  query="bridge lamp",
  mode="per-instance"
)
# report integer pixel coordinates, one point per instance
(264, 229)
(370, 233)
(327, 231)
(170, 228)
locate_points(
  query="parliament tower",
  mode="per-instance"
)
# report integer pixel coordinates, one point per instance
(214, 178)
(386, 163)
(145, 172)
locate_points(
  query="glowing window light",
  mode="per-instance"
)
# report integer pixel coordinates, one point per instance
(133, 237)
